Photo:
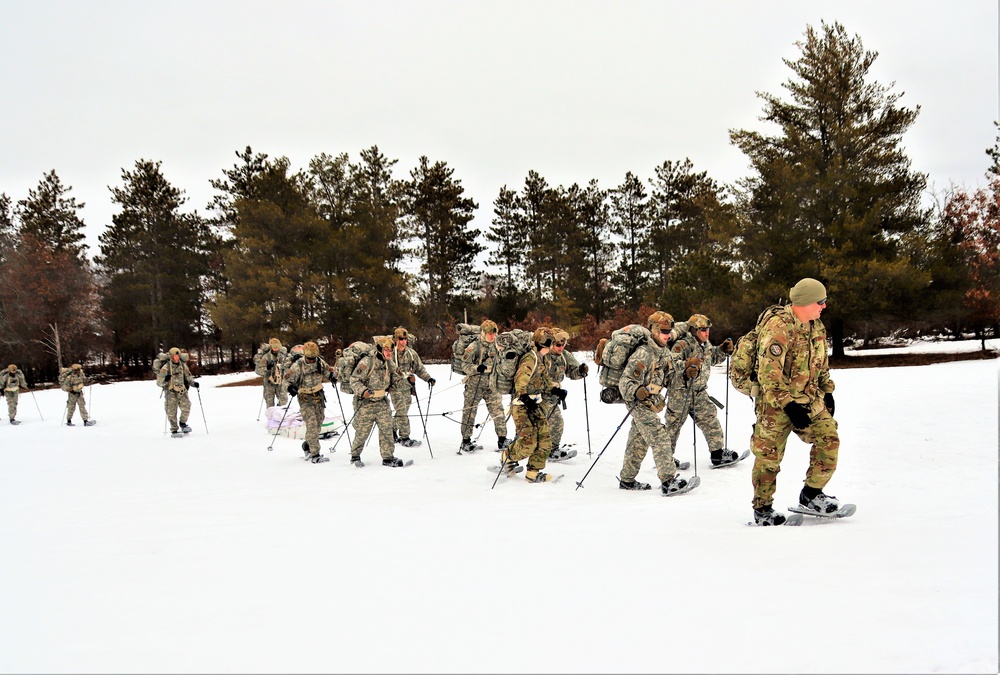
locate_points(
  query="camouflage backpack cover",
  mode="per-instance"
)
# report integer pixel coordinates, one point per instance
(467, 333)
(612, 354)
(511, 346)
(347, 360)
(743, 366)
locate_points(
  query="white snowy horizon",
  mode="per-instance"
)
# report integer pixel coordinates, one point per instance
(128, 551)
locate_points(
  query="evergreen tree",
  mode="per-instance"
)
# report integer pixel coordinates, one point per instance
(153, 258)
(630, 219)
(590, 251)
(507, 251)
(438, 217)
(50, 215)
(276, 280)
(833, 193)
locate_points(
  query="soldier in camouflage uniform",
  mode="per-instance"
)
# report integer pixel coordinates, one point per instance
(272, 365)
(12, 381)
(73, 380)
(531, 411)
(560, 364)
(694, 357)
(370, 381)
(796, 394)
(175, 379)
(645, 375)
(477, 363)
(305, 379)
(407, 367)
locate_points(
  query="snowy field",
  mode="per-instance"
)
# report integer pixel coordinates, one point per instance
(125, 550)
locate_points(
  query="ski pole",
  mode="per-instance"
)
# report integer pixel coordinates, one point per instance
(579, 483)
(343, 416)
(694, 428)
(204, 421)
(271, 447)
(586, 411)
(725, 441)
(36, 404)
(337, 442)
(261, 408)
(413, 388)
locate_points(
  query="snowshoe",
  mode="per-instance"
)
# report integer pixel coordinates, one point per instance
(633, 485)
(766, 516)
(509, 466)
(503, 442)
(537, 476)
(820, 503)
(69, 423)
(176, 434)
(14, 421)
(682, 466)
(560, 455)
(408, 442)
(89, 423)
(356, 461)
(677, 486)
(326, 435)
(306, 450)
(468, 446)
(317, 459)
(723, 457)
(184, 427)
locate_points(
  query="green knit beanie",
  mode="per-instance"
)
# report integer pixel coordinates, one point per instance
(806, 292)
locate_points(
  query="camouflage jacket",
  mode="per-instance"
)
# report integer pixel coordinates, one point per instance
(372, 372)
(478, 352)
(13, 381)
(649, 366)
(406, 362)
(560, 366)
(308, 377)
(686, 346)
(792, 362)
(273, 366)
(532, 377)
(174, 376)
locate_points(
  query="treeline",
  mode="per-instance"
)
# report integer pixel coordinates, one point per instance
(346, 249)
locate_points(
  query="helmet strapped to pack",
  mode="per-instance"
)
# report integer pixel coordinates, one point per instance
(543, 337)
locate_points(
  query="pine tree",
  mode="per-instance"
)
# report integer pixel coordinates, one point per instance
(437, 216)
(589, 246)
(50, 215)
(153, 258)
(833, 193)
(630, 221)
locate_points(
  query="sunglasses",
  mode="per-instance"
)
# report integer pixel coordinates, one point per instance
(704, 330)
(559, 343)
(821, 302)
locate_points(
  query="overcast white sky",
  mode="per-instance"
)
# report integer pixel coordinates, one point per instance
(572, 89)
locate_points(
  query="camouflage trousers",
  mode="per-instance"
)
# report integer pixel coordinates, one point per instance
(275, 392)
(369, 413)
(174, 401)
(534, 437)
(401, 399)
(313, 410)
(770, 434)
(11, 403)
(476, 390)
(706, 418)
(76, 400)
(647, 432)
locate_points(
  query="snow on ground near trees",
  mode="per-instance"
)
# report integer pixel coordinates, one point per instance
(125, 550)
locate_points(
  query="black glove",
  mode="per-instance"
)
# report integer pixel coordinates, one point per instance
(293, 390)
(560, 393)
(584, 369)
(529, 403)
(481, 368)
(431, 381)
(798, 414)
(727, 346)
(333, 378)
(196, 385)
(270, 366)
(296, 356)
(828, 402)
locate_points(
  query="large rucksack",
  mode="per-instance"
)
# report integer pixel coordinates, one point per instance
(743, 366)
(611, 356)
(347, 361)
(467, 333)
(511, 346)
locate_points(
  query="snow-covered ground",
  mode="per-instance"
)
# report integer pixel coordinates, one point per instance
(124, 550)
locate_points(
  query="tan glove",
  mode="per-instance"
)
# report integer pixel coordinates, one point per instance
(642, 393)
(691, 367)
